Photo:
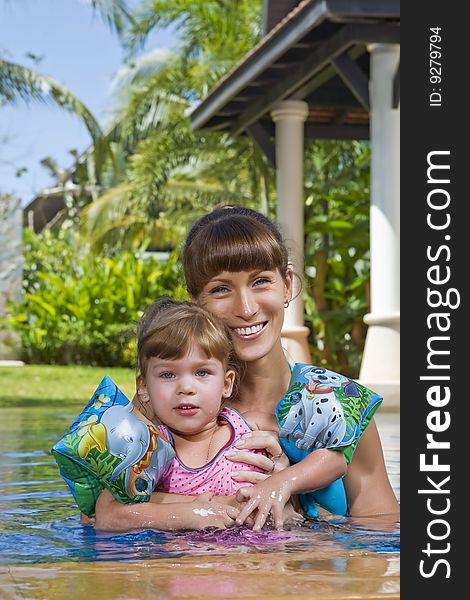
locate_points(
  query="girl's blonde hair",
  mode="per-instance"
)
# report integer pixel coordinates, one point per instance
(231, 238)
(168, 328)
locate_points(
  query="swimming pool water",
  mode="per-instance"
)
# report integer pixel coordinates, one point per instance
(39, 522)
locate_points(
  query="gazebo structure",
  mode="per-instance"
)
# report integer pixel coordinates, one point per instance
(327, 69)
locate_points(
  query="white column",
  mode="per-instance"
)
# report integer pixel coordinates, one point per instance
(380, 368)
(289, 117)
(11, 274)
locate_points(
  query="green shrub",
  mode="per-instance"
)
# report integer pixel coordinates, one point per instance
(79, 308)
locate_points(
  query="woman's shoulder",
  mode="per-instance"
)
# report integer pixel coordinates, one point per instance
(254, 419)
(259, 420)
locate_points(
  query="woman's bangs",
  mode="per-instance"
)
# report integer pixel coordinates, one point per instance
(241, 252)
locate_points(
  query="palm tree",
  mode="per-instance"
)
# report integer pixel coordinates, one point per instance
(173, 173)
(20, 83)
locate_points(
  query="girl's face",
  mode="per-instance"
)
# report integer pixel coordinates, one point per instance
(186, 393)
(252, 305)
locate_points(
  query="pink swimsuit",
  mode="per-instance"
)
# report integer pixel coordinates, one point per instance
(214, 477)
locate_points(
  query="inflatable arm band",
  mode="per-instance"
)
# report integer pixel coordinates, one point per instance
(111, 445)
(323, 409)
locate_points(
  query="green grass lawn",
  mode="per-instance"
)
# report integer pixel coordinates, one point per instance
(34, 384)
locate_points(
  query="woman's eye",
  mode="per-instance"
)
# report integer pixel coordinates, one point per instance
(202, 373)
(262, 281)
(221, 289)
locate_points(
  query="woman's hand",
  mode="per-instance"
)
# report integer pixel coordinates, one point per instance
(267, 498)
(274, 462)
(291, 516)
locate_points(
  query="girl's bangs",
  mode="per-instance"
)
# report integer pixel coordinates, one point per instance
(174, 340)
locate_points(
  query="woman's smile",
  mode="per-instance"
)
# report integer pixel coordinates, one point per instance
(250, 332)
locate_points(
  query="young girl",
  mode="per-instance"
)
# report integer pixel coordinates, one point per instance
(188, 370)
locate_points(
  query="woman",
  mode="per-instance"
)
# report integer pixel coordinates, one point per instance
(236, 266)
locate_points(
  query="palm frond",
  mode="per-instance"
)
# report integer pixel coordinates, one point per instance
(108, 208)
(139, 69)
(18, 82)
(115, 13)
(150, 104)
(108, 223)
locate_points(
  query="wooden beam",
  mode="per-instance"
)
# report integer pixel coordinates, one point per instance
(336, 132)
(375, 34)
(315, 63)
(317, 82)
(298, 75)
(354, 77)
(262, 137)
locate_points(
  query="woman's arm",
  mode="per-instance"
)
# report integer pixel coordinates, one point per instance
(270, 496)
(195, 513)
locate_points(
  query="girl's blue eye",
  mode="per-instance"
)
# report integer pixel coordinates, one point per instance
(202, 373)
(167, 375)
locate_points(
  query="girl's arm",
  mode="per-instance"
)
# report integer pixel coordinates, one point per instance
(161, 513)
(156, 497)
(270, 496)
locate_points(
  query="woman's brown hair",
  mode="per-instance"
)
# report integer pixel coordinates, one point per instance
(231, 238)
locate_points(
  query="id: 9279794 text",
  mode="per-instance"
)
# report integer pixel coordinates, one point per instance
(435, 66)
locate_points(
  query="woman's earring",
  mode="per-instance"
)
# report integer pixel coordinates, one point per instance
(286, 304)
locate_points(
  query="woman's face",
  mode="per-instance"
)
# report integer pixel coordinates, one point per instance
(252, 305)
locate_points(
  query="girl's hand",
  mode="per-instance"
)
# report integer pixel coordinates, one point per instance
(267, 498)
(274, 462)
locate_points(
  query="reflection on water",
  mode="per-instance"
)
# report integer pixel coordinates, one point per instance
(41, 537)
(278, 576)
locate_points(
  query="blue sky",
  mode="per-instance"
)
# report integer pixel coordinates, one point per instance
(79, 50)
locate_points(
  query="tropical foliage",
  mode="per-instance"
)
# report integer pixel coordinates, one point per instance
(174, 174)
(78, 309)
(337, 251)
